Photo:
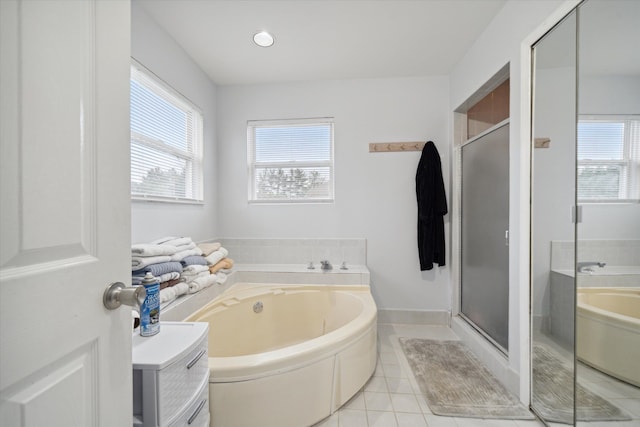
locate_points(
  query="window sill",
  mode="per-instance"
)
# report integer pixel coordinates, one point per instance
(136, 199)
(292, 202)
(609, 202)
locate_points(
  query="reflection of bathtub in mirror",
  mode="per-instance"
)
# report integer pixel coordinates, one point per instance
(562, 296)
(608, 330)
(609, 275)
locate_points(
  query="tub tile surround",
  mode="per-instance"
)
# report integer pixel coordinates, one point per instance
(613, 252)
(622, 258)
(353, 251)
(297, 273)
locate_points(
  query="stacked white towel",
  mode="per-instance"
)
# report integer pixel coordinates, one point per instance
(196, 268)
(179, 256)
(194, 277)
(182, 247)
(201, 283)
(216, 256)
(145, 254)
(220, 277)
(138, 262)
(149, 249)
(171, 293)
(168, 276)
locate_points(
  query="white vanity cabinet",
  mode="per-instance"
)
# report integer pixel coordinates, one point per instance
(171, 376)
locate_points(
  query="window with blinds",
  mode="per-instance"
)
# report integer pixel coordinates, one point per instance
(166, 142)
(609, 159)
(290, 161)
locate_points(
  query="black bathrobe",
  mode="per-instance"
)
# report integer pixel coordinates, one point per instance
(432, 206)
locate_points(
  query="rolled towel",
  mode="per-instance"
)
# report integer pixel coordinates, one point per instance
(225, 263)
(181, 288)
(193, 276)
(171, 293)
(141, 262)
(194, 268)
(149, 249)
(173, 275)
(209, 248)
(185, 247)
(194, 260)
(216, 257)
(179, 256)
(220, 278)
(201, 283)
(167, 294)
(159, 269)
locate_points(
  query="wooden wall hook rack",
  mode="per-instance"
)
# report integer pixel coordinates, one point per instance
(386, 147)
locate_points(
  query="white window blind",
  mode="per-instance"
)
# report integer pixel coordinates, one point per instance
(290, 160)
(609, 159)
(166, 142)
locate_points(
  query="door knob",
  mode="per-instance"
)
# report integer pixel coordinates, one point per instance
(117, 294)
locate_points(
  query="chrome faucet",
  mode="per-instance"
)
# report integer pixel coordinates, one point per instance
(584, 266)
(325, 265)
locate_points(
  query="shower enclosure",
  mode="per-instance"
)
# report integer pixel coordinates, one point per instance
(484, 275)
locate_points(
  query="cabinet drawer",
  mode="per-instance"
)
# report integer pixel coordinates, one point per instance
(197, 414)
(181, 381)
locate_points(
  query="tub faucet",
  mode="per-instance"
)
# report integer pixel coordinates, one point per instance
(584, 266)
(326, 265)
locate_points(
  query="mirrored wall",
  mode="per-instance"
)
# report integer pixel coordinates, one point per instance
(585, 217)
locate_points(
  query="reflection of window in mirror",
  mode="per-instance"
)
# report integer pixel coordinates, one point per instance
(609, 159)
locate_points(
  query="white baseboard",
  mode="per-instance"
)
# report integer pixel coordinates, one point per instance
(420, 317)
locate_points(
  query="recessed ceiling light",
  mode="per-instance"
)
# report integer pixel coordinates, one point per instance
(263, 39)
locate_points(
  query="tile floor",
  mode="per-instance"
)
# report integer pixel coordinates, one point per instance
(392, 397)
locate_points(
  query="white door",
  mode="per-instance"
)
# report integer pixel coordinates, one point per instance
(64, 212)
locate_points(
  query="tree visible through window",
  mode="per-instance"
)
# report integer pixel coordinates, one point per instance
(290, 160)
(166, 141)
(608, 159)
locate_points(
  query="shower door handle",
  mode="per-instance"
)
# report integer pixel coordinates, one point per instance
(506, 237)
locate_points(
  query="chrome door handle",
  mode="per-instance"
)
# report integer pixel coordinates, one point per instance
(117, 294)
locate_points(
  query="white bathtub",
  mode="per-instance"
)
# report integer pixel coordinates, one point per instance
(294, 362)
(608, 330)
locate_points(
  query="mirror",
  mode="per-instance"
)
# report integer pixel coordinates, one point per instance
(608, 237)
(553, 197)
(585, 287)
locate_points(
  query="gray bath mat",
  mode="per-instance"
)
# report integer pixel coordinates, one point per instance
(552, 382)
(457, 384)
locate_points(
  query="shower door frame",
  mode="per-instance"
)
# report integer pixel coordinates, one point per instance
(460, 209)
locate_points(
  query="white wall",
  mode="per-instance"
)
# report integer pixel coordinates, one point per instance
(156, 50)
(374, 193)
(553, 174)
(498, 45)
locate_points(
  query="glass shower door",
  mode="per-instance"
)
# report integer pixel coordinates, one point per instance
(484, 276)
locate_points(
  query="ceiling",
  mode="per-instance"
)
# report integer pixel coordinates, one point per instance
(323, 39)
